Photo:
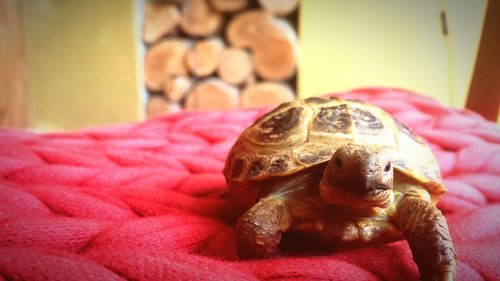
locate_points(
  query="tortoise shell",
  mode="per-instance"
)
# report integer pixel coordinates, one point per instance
(304, 133)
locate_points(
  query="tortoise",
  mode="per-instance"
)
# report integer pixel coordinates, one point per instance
(345, 171)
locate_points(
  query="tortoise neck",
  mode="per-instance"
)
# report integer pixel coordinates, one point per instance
(305, 182)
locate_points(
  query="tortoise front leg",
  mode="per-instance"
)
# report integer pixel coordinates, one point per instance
(427, 233)
(259, 230)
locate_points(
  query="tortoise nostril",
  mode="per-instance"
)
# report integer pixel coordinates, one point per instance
(387, 167)
(338, 162)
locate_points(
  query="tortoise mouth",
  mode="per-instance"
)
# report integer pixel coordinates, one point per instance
(337, 196)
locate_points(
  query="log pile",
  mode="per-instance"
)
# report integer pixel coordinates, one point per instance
(219, 54)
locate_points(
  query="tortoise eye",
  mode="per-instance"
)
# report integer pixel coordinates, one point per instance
(387, 167)
(338, 163)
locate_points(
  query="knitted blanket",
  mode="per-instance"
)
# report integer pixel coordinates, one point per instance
(148, 201)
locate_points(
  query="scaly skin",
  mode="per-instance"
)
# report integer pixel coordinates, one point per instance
(259, 229)
(427, 233)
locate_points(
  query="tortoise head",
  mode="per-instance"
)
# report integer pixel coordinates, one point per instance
(359, 176)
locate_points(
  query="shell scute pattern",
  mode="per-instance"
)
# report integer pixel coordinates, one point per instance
(407, 131)
(238, 165)
(304, 133)
(365, 121)
(319, 100)
(333, 119)
(416, 159)
(257, 166)
(312, 155)
(278, 126)
(279, 164)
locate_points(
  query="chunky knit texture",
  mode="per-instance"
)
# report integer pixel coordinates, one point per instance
(148, 201)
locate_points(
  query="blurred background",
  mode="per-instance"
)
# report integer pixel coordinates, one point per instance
(71, 64)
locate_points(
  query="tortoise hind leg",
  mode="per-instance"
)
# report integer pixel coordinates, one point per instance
(427, 233)
(259, 230)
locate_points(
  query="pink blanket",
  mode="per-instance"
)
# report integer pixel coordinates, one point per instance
(148, 201)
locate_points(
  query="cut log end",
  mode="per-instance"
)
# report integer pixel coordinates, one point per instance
(266, 94)
(163, 60)
(176, 87)
(203, 59)
(235, 65)
(198, 18)
(272, 40)
(279, 7)
(159, 20)
(250, 80)
(213, 94)
(158, 105)
(274, 65)
(229, 5)
(186, 51)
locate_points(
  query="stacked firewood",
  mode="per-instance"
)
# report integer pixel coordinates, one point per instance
(219, 54)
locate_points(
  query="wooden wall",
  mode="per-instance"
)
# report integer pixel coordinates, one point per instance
(219, 54)
(484, 95)
(71, 64)
(13, 79)
(82, 61)
(350, 44)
